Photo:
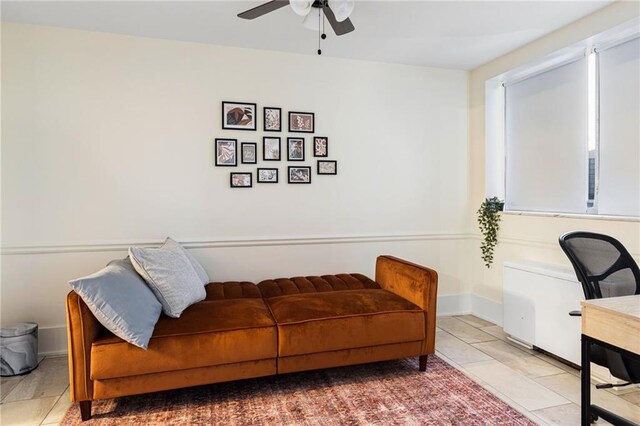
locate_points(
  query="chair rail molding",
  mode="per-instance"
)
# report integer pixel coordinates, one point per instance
(197, 243)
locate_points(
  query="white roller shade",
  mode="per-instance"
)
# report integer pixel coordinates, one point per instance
(546, 139)
(619, 192)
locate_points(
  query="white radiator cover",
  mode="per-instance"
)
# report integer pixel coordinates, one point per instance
(537, 298)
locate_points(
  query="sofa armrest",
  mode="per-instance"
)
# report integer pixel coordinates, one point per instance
(82, 330)
(415, 283)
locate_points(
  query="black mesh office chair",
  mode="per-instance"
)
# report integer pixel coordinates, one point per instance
(605, 269)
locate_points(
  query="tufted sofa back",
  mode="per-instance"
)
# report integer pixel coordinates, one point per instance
(315, 284)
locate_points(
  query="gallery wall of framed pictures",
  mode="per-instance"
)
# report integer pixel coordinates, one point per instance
(244, 116)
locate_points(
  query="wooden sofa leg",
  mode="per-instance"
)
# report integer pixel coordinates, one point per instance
(85, 410)
(423, 362)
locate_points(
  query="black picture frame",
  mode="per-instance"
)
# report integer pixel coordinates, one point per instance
(268, 153)
(226, 152)
(303, 126)
(236, 182)
(327, 167)
(295, 178)
(260, 175)
(234, 113)
(295, 149)
(267, 120)
(245, 153)
(320, 146)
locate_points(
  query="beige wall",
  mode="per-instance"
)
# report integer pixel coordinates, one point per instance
(534, 237)
(107, 141)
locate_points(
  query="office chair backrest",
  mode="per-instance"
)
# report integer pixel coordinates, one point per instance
(603, 265)
(605, 269)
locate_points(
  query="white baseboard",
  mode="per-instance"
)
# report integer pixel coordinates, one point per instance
(467, 303)
(454, 304)
(53, 340)
(486, 309)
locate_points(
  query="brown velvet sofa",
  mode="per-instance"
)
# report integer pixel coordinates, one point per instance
(242, 331)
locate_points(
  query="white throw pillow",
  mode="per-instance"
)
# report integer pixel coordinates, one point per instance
(121, 301)
(170, 276)
(170, 244)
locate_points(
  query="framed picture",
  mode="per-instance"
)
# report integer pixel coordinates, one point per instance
(320, 146)
(226, 152)
(303, 122)
(299, 174)
(327, 167)
(249, 153)
(272, 119)
(270, 149)
(240, 180)
(295, 149)
(267, 175)
(238, 115)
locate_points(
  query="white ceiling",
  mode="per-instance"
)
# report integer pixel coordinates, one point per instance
(448, 34)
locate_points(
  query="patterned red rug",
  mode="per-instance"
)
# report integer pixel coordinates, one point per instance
(385, 393)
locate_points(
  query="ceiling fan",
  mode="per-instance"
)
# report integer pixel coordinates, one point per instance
(336, 11)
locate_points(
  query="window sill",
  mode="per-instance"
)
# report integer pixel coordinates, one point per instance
(573, 216)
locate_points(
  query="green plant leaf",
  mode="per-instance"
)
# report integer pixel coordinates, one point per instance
(489, 224)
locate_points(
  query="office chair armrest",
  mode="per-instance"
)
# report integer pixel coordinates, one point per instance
(575, 313)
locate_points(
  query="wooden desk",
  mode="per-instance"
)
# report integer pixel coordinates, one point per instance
(613, 323)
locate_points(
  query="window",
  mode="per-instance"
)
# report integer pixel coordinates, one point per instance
(546, 134)
(619, 154)
(571, 133)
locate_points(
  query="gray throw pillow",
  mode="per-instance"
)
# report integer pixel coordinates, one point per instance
(121, 301)
(170, 244)
(170, 276)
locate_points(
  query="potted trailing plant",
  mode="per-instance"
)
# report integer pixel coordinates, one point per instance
(489, 223)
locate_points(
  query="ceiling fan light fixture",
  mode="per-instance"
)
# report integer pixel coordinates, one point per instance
(301, 7)
(312, 21)
(338, 19)
(342, 9)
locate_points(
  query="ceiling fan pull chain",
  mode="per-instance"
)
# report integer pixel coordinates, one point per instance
(319, 29)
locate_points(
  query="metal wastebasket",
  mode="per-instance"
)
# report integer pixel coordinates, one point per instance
(18, 349)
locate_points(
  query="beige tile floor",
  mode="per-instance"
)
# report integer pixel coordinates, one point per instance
(545, 390)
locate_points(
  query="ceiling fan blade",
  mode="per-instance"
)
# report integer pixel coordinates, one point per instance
(339, 28)
(263, 9)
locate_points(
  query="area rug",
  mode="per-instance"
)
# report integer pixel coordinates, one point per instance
(385, 393)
